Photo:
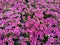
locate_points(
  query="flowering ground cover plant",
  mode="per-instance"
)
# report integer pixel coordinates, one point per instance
(29, 22)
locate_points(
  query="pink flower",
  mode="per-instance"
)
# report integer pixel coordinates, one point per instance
(51, 39)
(16, 30)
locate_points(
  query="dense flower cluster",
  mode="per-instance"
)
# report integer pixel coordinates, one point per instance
(29, 22)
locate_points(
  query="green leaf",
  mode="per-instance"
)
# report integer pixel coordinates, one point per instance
(17, 43)
(33, 5)
(15, 39)
(48, 16)
(8, 35)
(26, 35)
(45, 39)
(32, 15)
(19, 25)
(26, 15)
(58, 24)
(27, 6)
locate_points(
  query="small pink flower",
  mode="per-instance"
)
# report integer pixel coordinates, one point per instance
(51, 39)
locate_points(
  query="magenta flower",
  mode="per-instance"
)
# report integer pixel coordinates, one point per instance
(29, 22)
